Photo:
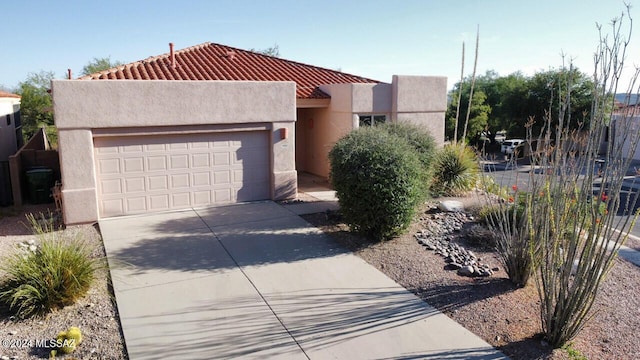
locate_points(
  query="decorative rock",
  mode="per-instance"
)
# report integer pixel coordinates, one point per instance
(466, 271)
(441, 230)
(451, 206)
(452, 266)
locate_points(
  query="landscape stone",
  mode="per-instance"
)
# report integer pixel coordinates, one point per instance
(451, 206)
(466, 271)
(452, 266)
(441, 231)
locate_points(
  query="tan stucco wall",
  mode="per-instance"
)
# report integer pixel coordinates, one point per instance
(83, 108)
(420, 100)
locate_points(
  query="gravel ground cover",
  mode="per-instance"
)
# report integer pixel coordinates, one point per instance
(95, 314)
(490, 306)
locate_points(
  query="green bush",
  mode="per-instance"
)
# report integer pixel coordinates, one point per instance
(51, 274)
(422, 141)
(456, 170)
(377, 178)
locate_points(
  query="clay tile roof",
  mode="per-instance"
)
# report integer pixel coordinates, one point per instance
(4, 94)
(209, 61)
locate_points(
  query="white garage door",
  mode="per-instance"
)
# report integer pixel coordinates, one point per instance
(141, 174)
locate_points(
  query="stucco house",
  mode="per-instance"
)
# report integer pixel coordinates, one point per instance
(10, 126)
(213, 124)
(10, 141)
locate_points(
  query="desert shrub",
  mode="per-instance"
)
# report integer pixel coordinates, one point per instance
(377, 179)
(421, 140)
(488, 184)
(51, 274)
(455, 170)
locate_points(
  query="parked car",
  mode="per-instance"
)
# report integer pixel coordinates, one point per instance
(510, 145)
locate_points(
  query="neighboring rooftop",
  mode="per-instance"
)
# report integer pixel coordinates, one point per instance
(4, 94)
(209, 61)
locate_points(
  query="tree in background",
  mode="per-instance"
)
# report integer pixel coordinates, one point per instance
(100, 64)
(270, 51)
(478, 115)
(504, 94)
(35, 105)
(544, 91)
(510, 102)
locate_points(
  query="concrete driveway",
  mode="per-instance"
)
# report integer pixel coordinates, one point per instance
(256, 281)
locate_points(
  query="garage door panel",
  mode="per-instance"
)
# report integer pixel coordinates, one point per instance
(180, 181)
(113, 186)
(200, 160)
(109, 166)
(159, 202)
(221, 158)
(133, 165)
(181, 200)
(134, 184)
(158, 183)
(113, 206)
(179, 161)
(132, 148)
(136, 204)
(155, 173)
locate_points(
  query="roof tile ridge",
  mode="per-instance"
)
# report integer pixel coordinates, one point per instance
(336, 72)
(150, 59)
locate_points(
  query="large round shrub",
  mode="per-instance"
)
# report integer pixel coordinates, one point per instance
(423, 143)
(418, 137)
(377, 178)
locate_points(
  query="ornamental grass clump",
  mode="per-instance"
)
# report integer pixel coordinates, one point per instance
(456, 170)
(54, 273)
(508, 220)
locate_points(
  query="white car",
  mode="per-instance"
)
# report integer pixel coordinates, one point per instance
(510, 145)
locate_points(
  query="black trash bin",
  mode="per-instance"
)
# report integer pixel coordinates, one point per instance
(40, 182)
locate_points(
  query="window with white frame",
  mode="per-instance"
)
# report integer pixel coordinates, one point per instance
(372, 119)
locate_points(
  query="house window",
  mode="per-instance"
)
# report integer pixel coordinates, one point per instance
(372, 120)
(8, 119)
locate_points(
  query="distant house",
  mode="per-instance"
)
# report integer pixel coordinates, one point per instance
(10, 126)
(625, 123)
(213, 124)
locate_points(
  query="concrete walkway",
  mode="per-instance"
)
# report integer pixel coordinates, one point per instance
(257, 281)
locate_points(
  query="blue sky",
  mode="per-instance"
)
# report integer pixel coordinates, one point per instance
(370, 38)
